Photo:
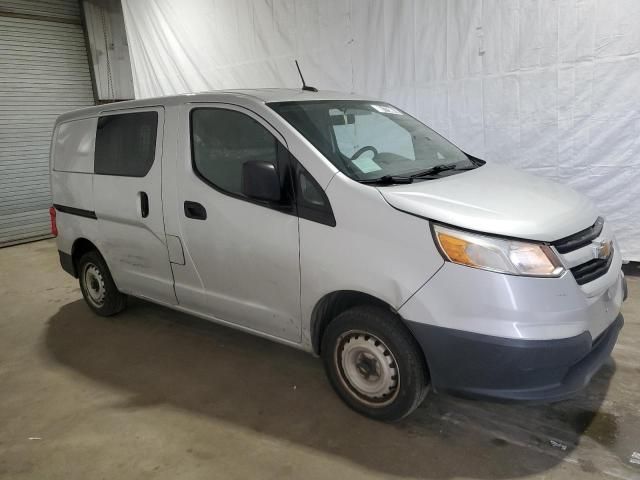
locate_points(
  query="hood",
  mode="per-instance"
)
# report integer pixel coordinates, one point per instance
(497, 199)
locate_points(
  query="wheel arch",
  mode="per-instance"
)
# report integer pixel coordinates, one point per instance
(80, 247)
(332, 305)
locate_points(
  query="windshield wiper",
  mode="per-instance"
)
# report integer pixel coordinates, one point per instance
(387, 180)
(435, 170)
(429, 172)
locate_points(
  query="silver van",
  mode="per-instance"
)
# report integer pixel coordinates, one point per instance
(342, 226)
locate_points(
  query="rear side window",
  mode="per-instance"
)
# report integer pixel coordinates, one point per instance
(126, 144)
(223, 140)
(73, 146)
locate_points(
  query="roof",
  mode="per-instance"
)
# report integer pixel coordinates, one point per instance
(293, 94)
(261, 95)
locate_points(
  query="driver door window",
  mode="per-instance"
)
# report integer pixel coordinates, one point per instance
(223, 140)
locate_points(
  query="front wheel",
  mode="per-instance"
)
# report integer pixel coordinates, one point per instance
(374, 363)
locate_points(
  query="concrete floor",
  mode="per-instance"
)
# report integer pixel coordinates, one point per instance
(156, 394)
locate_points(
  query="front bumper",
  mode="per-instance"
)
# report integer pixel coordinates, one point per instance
(486, 334)
(482, 366)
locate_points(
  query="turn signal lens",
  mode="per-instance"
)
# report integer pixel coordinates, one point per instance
(497, 254)
(455, 248)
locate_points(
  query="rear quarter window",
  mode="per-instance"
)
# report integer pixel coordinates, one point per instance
(73, 146)
(126, 144)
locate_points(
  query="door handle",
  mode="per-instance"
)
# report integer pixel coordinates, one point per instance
(194, 210)
(144, 204)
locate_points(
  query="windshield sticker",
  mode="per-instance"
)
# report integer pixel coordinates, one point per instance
(366, 165)
(387, 109)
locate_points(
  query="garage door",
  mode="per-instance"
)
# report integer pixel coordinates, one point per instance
(43, 72)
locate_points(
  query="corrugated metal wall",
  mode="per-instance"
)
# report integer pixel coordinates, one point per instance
(43, 72)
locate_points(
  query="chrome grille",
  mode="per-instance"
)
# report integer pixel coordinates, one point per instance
(591, 270)
(580, 239)
(588, 253)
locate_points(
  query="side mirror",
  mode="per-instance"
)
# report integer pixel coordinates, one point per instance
(260, 181)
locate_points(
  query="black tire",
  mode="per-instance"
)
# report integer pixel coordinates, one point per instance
(101, 293)
(354, 346)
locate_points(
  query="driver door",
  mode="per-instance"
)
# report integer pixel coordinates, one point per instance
(241, 255)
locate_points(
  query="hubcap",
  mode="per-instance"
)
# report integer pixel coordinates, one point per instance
(367, 368)
(94, 285)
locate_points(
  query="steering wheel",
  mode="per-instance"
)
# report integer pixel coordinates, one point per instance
(362, 150)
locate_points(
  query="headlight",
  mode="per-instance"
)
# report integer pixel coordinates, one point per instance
(497, 254)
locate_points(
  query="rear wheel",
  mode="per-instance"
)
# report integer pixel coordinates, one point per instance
(374, 363)
(98, 288)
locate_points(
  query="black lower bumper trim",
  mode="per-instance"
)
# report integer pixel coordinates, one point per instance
(66, 261)
(483, 366)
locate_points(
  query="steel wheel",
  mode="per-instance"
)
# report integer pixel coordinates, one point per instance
(94, 284)
(367, 368)
(98, 288)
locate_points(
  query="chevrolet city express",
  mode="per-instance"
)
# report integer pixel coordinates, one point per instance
(342, 226)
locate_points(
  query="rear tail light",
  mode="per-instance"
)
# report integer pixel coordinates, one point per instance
(54, 226)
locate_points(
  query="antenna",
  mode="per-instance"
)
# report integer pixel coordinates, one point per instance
(304, 85)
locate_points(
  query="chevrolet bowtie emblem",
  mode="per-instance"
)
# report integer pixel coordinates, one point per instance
(602, 249)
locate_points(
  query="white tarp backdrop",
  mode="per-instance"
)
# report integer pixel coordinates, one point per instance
(550, 86)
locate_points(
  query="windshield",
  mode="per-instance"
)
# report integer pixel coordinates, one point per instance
(372, 140)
